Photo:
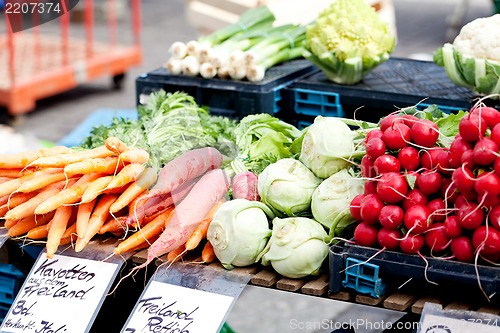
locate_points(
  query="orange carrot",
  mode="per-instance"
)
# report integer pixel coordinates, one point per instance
(136, 203)
(28, 208)
(23, 159)
(17, 199)
(96, 188)
(84, 212)
(38, 232)
(41, 181)
(115, 145)
(70, 231)
(106, 165)
(57, 228)
(128, 174)
(11, 186)
(15, 173)
(68, 196)
(134, 155)
(201, 229)
(28, 223)
(151, 230)
(146, 179)
(177, 254)
(10, 223)
(207, 254)
(113, 225)
(97, 219)
(61, 160)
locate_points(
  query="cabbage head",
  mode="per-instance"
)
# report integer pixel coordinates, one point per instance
(286, 186)
(297, 247)
(239, 231)
(327, 146)
(332, 198)
(347, 40)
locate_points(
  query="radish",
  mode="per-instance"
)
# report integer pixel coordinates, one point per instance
(425, 133)
(370, 187)
(392, 187)
(367, 169)
(472, 127)
(409, 120)
(409, 158)
(495, 134)
(487, 183)
(496, 166)
(386, 163)
(490, 115)
(471, 216)
(375, 133)
(485, 151)
(375, 147)
(438, 210)
(390, 120)
(429, 182)
(442, 162)
(457, 147)
(462, 249)
(429, 158)
(391, 216)
(494, 217)
(411, 244)
(464, 179)
(355, 207)
(370, 208)
(468, 159)
(486, 240)
(452, 226)
(365, 234)
(205, 194)
(414, 197)
(397, 136)
(417, 219)
(449, 191)
(389, 238)
(436, 238)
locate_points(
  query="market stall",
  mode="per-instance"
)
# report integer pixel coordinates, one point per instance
(367, 181)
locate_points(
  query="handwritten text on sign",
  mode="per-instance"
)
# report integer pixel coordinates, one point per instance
(169, 308)
(60, 295)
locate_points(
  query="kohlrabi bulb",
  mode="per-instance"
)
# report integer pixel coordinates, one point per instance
(297, 247)
(239, 231)
(327, 146)
(286, 186)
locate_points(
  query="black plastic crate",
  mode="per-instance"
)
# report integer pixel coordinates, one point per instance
(400, 266)
(232, 98)
(396, 83)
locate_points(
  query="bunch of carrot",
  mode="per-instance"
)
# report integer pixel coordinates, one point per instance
(62, 195)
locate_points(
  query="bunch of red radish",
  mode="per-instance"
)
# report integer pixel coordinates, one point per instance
(422, 198)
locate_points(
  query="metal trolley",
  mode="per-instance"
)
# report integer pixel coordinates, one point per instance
(36, 64)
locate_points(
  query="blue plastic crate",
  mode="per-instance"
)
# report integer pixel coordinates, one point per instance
(4, 309)
(231, 98)
(96, 118)
(363, 277)
(317, 103)
(11, 280)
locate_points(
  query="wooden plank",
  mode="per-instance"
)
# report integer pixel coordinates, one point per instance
(317, 287)
(399, 301)
(265, 278)
(418, 306)
(288, 284)
(368, 300)
(458, 306)
(252, 270)
(341, 296)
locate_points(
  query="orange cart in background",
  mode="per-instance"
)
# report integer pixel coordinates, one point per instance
(35, 64)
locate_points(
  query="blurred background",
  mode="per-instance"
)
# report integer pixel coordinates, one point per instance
(153, 25)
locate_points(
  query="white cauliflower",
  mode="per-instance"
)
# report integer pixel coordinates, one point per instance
(480, 38)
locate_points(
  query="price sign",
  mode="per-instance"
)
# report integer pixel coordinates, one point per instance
(169, 308)
(436, 320)
(61, 294)
(185, 299)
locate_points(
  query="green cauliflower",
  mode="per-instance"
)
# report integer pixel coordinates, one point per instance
(347, 40)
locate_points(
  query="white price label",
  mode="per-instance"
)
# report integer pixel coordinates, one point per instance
(169, 308)
(60, 295)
